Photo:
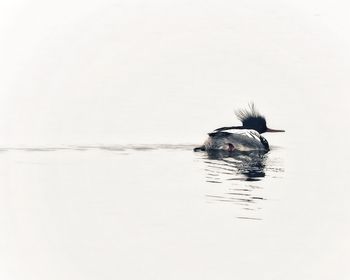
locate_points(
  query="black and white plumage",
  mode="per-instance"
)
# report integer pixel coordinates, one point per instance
(246, 137)
(236, 139)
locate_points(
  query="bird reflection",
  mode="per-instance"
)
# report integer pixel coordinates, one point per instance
(249, 164)
(240, 172)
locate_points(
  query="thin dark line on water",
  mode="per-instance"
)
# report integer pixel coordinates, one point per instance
(255, 197)
(249, 218)
(240, 194)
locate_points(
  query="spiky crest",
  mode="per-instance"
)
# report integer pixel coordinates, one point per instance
(252, 119)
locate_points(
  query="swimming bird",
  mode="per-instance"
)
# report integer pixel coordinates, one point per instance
(246, 137)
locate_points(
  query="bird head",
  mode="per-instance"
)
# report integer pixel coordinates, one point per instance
(252, 119)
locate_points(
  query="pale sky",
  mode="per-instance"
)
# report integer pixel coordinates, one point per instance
(87, 72)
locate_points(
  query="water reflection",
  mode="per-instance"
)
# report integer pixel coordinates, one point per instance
(238, 177)
(249, 164)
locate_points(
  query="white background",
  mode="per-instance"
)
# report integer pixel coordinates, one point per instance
(85, 72)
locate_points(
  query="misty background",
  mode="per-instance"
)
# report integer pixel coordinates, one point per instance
(99, 72)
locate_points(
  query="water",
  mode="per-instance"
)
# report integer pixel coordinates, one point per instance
(163, 211)
(99, 117)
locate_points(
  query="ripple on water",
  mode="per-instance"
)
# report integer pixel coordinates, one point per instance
(234, 178)
(239, 176)
(112, 148)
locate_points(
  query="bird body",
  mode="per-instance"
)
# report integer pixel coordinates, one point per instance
(246, 137)
(236, 139)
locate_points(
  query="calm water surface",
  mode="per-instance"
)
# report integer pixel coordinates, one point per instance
(165, 212)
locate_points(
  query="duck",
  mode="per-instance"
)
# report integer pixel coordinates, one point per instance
(244, 138)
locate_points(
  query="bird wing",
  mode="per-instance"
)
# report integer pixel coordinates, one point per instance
(250, 133)
(241, 139)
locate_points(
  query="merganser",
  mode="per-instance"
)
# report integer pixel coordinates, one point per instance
(246, 137)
